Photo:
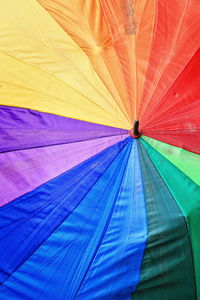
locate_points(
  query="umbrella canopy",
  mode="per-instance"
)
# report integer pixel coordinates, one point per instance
(93, 206)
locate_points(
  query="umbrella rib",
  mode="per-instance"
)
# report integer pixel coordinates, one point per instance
(65, 143)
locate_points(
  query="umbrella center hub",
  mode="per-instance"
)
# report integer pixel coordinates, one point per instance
(134, 132)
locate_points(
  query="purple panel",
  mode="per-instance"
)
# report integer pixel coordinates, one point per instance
(23, 128)
(24, 170)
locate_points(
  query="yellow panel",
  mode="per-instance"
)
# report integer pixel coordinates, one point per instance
(26, 86)
(30, 34)
(116, 35)
(92, 34)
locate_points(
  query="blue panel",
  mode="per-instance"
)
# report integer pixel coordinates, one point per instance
(57, 268)
(73, 262)
(26, 222)
(115, 270)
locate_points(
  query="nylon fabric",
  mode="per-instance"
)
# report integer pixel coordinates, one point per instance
(188, 140)
(137, 37)
(145, 20)
(27, 221)
(44, 45)
(168, 261)
(86, 211)
(187, 195)
(122, 19)
(24, 128)
(182, 93)
(187, 162)
(121, 251)
(122, 37)
(34, 89)
(64, 258)
(175, 117)
(94, 38)
(175, 41)
(23, 171)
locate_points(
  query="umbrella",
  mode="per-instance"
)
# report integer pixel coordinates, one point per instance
(99, 152)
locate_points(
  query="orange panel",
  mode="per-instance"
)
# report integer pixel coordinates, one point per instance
(93, 36)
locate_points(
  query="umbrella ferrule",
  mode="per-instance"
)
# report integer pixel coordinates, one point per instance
(135, 131)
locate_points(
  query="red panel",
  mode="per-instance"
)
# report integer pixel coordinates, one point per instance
(183, 91)
(176, 117)
(176, 39)
(188, 141)
(181, 128)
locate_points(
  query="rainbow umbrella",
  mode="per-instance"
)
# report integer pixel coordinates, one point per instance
(91, 208)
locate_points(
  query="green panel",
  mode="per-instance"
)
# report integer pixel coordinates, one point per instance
(187, 162)
(187, 195)
(167, 271)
